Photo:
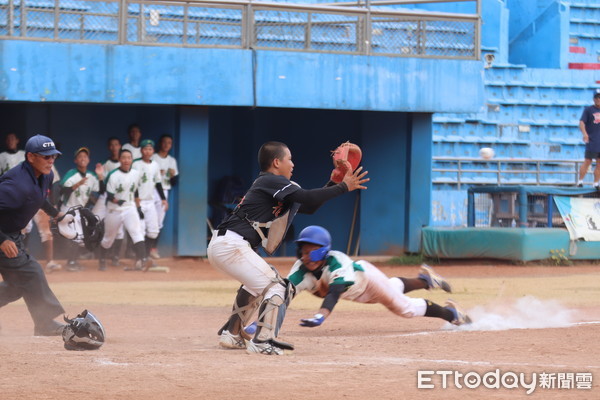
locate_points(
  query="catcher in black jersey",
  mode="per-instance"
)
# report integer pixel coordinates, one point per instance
(262, 219)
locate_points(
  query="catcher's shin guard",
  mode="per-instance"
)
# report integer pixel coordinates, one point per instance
(243, 308)
(272, 312)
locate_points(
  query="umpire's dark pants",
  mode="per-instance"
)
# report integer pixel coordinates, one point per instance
(23, 277)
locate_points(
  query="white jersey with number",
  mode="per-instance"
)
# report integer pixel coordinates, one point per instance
(364, 282)
(123, 186)
(9, 160)
(149, 177)
(136, 152)
(109, 165)
(166, 163)
(81, 195)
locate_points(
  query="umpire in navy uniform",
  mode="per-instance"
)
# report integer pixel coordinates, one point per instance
(23, 191)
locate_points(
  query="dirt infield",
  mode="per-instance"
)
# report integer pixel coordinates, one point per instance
(162, 342)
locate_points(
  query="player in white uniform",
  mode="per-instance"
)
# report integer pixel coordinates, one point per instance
(122, 206)
(12, 156)
(333, 275)
(79, 188)
(114, 148)
(135, 135)
(169, 172)
(150, 182)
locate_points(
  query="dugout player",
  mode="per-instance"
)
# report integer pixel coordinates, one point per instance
(112, 163)
(135, 135)
(150, 182)
(122, 210)
(79, 188)
(169, 173)
(271, 201)
(12, 155)
(333, 275)
(23, 191)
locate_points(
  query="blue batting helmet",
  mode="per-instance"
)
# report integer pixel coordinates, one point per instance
(316, 235)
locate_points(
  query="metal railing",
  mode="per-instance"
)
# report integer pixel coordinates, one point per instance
(505, 171)
(246, 24)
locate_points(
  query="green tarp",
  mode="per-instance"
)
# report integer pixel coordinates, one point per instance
(519, 244)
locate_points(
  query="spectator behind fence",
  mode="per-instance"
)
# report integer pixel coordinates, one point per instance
(589, 124)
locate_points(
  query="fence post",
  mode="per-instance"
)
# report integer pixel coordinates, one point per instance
(550, 208)
(522, 200)
(56, 19)
(470, 208)
(308, 32)
(10, 16)
(248, 28)
(122, 32)
(23, 19)
(368, 31)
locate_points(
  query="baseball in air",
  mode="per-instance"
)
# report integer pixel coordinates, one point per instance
(487, 153)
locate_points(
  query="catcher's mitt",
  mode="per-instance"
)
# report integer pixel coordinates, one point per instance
(80, 225)
(346, 158)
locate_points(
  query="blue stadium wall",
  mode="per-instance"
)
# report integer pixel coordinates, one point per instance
(222, 104)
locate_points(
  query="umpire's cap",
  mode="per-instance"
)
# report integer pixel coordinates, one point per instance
(42, 145)
(597, 93)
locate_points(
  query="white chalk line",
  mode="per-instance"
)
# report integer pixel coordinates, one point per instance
(378, 361)
(425, 333)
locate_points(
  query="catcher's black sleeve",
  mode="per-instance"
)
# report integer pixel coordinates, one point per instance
(333, 295)
(49, 209)
(311, 199)
(161, 192)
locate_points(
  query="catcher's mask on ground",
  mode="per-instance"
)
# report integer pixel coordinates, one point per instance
(84, 332)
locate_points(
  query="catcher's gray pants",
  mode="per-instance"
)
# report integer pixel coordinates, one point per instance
(23, 277)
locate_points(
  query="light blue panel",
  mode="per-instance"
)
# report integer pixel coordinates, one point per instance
(448, 208)
(541, 44)
(60, 72)
(494, 28)
(40, 71)
(192, 189)
(419, 175)
(523, 12)
(384, 204)
(313, 80)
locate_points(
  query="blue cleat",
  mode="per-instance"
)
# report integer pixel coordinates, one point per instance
(460, 317)
(434, 280)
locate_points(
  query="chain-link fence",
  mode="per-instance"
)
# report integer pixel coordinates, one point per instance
(243, 24)
(502, 209)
